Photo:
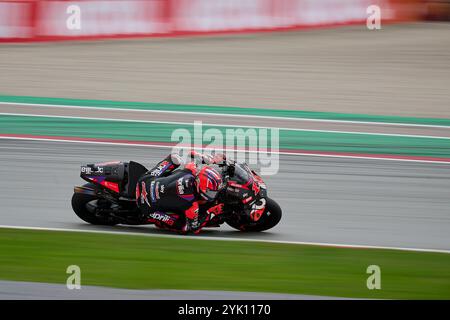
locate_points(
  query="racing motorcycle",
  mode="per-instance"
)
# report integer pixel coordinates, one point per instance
(109, 198)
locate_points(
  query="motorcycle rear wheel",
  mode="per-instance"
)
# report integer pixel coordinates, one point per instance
(266, 222)
(79, 206)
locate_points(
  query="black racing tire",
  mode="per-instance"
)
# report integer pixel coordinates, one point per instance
(79, 202)
(265, 223)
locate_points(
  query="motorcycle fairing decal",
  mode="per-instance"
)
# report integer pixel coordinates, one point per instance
(247, 200)
(97, 179)
(111, 185)
(163, 225)
(161, 168)
(255, 187)
(258, 180)
(258, 210)
(162, 217)
(157, 190)
(152, 191)
(86, 170)
(138, 192)
(237, 185)
(107, 184)
(144, 194)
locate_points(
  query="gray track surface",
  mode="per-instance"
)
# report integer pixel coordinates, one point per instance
(330, 200)
(401, 69)
(12, 290)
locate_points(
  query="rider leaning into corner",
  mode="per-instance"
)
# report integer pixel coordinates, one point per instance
(182, 192)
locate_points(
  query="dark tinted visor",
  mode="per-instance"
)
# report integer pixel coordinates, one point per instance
(210, 194)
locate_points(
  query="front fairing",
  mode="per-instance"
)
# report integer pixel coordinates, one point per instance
(246, 185)
(262, 185)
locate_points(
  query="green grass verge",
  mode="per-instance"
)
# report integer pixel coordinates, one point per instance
(138, 262)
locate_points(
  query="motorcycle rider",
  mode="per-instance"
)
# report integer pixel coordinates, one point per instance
(159, 192)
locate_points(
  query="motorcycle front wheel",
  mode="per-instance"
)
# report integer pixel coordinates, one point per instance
(270, 218)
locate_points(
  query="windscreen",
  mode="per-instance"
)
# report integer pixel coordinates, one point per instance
(240, 175)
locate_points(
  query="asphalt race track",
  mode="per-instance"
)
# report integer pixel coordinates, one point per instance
(13, 290)
(327, 200)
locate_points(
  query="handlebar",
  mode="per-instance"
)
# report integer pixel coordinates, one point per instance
(228, 167)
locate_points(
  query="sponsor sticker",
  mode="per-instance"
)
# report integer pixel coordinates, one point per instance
(180, 186)
(160, 168)
(160, 216)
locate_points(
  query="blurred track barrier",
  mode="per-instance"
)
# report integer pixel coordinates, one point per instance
(44, 20)
(437, 10)
(16, 21)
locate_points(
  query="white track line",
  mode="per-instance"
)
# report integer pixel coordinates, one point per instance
(199, 237)
(228, 115)
(249, 151)
(223, 125)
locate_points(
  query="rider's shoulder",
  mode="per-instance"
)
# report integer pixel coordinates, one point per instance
(191, 168)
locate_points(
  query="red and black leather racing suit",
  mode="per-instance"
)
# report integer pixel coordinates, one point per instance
(170, 199)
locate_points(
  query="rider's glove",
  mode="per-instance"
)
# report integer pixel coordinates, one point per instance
(197, 155)
(193, 154)
(208, 159)
(191, 215)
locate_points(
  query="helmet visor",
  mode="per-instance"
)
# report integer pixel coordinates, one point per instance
(211, 194)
